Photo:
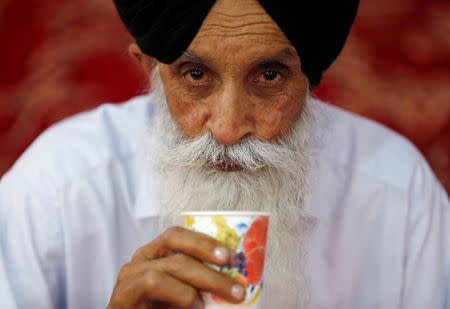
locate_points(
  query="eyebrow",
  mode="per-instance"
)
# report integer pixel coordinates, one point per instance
(192, 57)
(284, 54)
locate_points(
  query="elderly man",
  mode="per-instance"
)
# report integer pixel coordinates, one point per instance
(88, 214)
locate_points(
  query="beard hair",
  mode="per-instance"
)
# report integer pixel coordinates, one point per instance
(274, 178)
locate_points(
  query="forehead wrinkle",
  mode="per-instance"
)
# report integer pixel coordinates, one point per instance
(235, 18)
(262, 34)
(237, 26)
(239, 22)
(242, 28)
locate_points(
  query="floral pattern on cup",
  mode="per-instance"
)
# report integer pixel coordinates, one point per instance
(246, 234)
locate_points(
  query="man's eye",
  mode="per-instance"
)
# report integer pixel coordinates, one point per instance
(195, 75)
(270, 75)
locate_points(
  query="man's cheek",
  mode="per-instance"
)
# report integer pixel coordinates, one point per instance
(188, 115)
(290, 107)
(275, 120)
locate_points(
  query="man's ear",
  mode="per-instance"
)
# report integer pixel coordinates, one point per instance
(146, 62)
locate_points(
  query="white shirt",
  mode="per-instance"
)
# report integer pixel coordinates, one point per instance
(79, 202)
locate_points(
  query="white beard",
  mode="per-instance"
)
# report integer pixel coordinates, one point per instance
(274, 179)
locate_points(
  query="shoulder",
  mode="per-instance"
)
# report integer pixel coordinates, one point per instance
(368, 175)
(374, 195)
(79, 145)
(369, 149)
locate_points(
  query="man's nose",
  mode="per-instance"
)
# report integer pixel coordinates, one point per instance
(230, 118)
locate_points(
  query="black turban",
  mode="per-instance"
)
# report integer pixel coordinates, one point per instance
(317, 29)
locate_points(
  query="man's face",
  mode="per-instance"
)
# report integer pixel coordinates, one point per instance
(240, 77)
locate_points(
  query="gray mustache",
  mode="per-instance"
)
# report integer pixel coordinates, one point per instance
(250, 153)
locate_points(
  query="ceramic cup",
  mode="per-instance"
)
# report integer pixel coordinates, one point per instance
(246, 234)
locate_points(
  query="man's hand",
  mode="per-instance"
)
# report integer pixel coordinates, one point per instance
(169, 272)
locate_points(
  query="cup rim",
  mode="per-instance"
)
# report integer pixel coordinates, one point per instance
(225, 213)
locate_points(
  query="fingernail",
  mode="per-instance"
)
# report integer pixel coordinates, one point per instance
(237, 291)
(198, 305)
(221, 253)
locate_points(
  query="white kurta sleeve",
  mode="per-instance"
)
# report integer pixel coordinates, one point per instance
(427, 260)
(31, 242)
(6, 294)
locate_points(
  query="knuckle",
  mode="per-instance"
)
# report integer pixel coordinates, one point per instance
(152, 281)
(138, 253)
(180, 259)
(178, 263)
(124, 272)
(173, 232)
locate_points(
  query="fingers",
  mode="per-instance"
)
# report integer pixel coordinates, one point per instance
(200, 276)
(178, 239)
(160, 286)
(171, 270)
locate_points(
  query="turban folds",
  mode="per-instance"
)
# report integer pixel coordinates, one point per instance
(317, 29)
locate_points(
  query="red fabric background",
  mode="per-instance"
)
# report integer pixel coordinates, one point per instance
(61, 57)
